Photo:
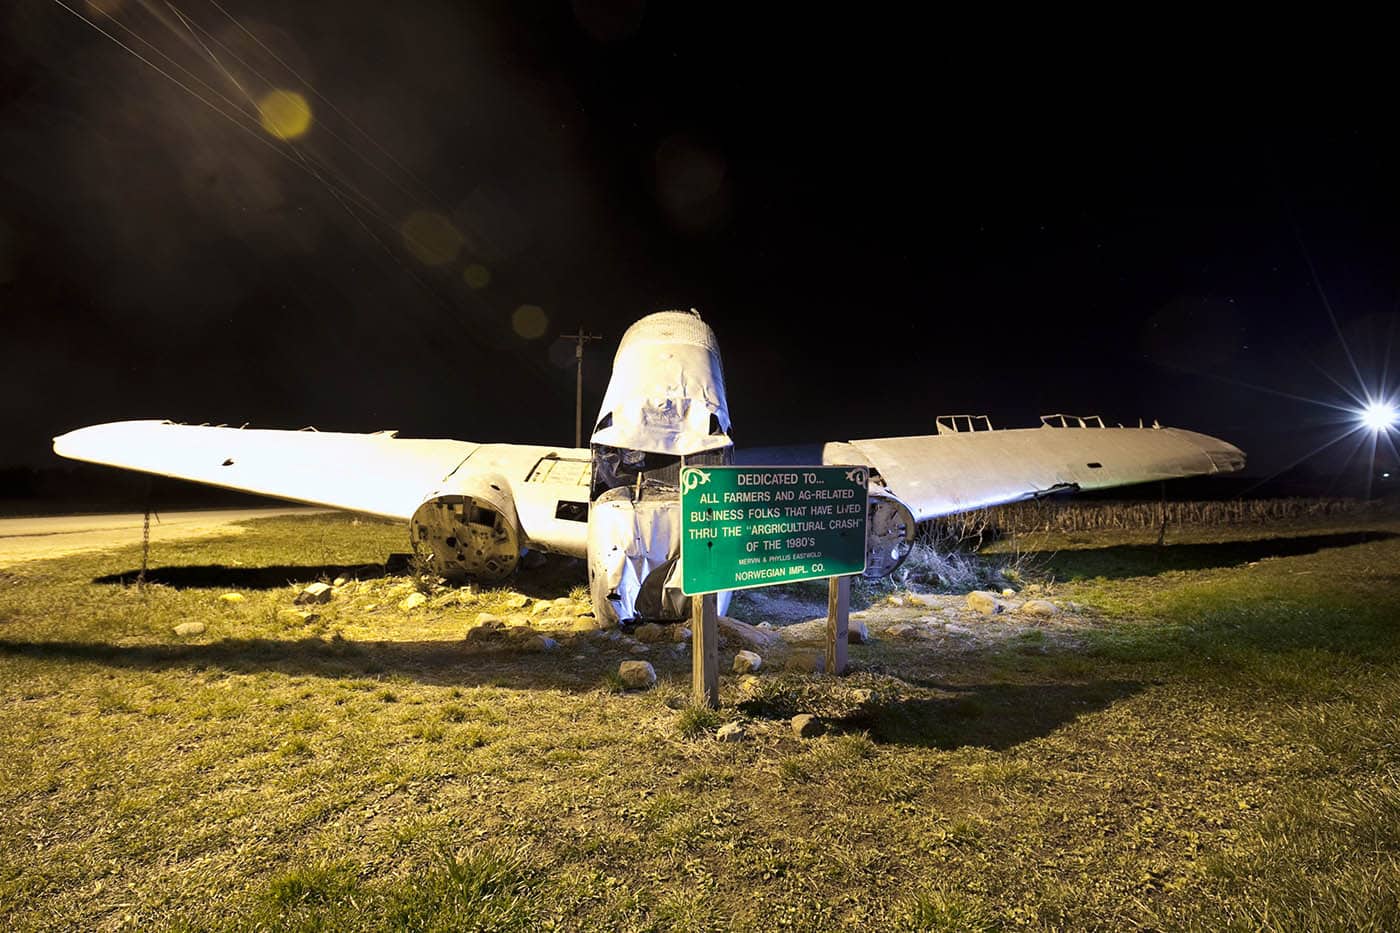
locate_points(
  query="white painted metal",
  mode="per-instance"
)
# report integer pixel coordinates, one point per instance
(378, 474)
(940, 474)
(666, 384)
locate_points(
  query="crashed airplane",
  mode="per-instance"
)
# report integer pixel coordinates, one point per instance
(474, 509)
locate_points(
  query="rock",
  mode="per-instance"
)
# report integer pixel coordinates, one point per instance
(583, 609)
(747, 635)
(862, 696)
(651, 632)
(540, 607)
(487, 632)
(746, 662)
(190, 628)
(1040, 607)
(767, 626)
(983, 602)
(486, 618)
(1008, 592)
(340, 581)
(297, 616)
(636, 675)
(564, 604)
(412, 601)
(806, 726)
(638, 648)
(896, 600)
(314, 593)
(806, 662)
(519, 632)
(857, 633)
(680, 634)
(232, 598)
(517, 601)
(925, 599)
(902, 630)
(540, 643)
(731, 732)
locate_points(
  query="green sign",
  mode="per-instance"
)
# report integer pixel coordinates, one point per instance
(756, 526)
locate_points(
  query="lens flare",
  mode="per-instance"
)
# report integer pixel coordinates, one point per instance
(476, 276)
(1379, 416)
(284, 114)
(530, 321)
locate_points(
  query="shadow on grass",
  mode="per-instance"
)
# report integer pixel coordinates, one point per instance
(991, 715)
(1119, 562)
(994, 716)
(450, 663)
(554, 578)
(218, 576)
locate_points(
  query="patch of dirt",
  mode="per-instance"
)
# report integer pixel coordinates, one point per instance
(941, 618)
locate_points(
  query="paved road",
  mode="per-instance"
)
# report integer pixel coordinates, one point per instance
(23, 539)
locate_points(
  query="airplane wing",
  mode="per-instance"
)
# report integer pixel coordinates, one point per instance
(944, 473)
(379, 474)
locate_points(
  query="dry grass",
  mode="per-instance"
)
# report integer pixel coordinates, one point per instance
(1067, 516)
(1223, 753)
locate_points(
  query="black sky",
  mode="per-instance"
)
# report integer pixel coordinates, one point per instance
(884, 218)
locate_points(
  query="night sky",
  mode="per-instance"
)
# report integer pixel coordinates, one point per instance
(884, 219)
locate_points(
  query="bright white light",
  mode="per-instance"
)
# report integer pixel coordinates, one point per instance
(1378, 416)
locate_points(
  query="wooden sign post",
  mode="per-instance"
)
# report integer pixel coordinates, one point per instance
(838, 620)
(704, 646)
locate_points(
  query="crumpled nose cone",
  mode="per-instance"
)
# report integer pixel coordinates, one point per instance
(666, 394)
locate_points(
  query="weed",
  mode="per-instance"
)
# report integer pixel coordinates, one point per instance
(308, 885)
(695, 721)
(943, 910)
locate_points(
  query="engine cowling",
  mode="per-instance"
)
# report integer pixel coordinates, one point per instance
(889, 533)
(469, 529)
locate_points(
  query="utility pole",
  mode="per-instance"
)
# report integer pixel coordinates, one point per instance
(581, 339)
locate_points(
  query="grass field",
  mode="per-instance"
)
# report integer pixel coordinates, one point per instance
(1219, 749)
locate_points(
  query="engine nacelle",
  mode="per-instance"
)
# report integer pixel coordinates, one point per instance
(469, 528)
(889, 534)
